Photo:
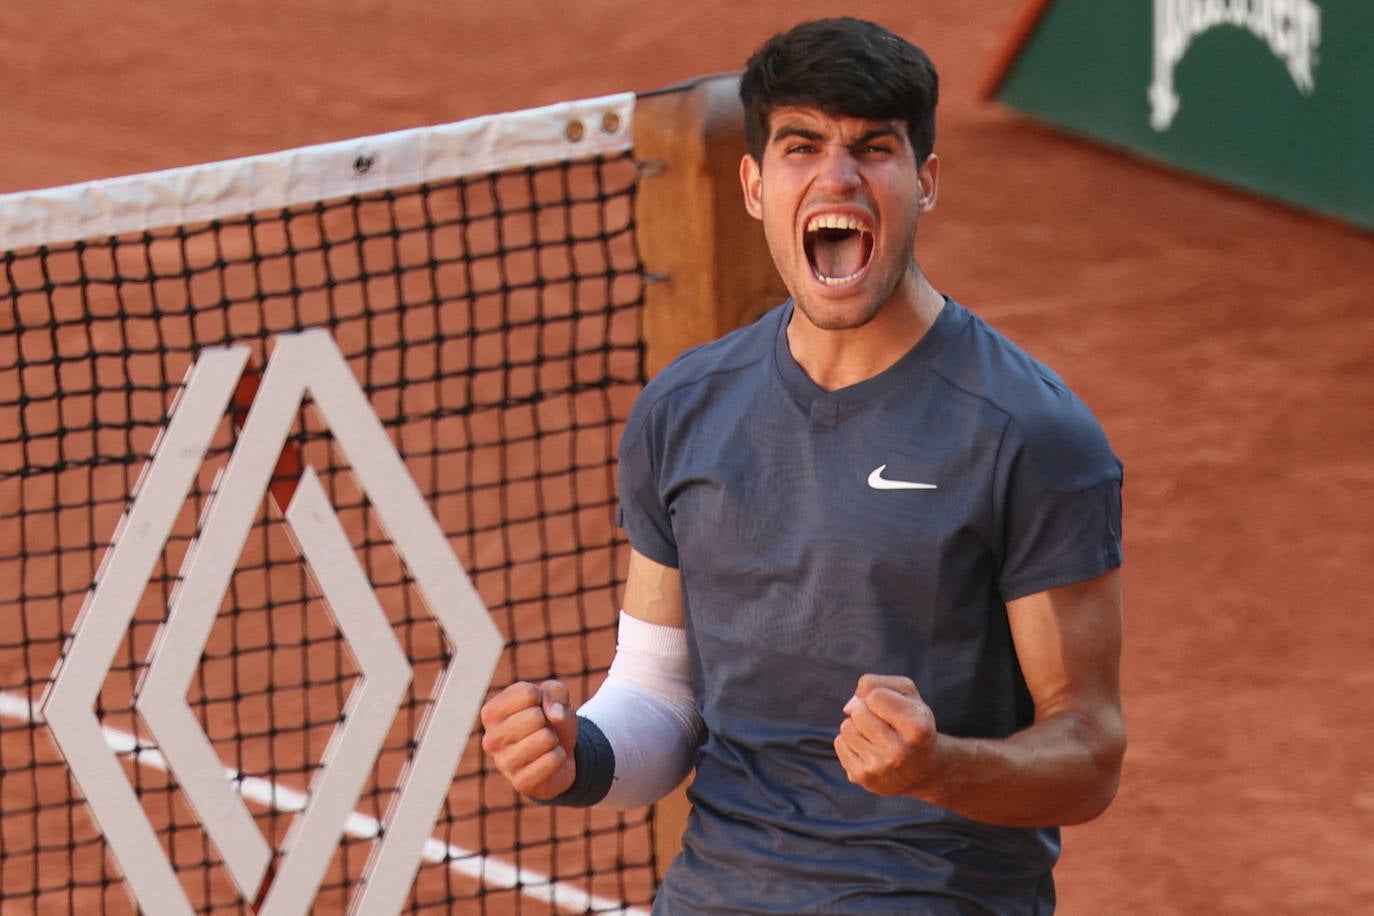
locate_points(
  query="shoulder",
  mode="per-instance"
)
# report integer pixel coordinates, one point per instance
(1045, 419)
(707, 373)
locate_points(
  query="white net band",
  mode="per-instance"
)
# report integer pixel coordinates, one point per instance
(201, 193)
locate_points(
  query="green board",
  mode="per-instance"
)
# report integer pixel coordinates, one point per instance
(1276, 96)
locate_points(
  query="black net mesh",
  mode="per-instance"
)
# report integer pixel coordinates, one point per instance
(494, 324)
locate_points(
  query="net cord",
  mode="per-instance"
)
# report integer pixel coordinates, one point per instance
(202, 193)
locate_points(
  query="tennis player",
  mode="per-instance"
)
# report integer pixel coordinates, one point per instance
(873, 599)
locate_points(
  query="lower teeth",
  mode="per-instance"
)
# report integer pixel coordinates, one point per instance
(836, 281)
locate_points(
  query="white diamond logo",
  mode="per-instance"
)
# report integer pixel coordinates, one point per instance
(304, 364)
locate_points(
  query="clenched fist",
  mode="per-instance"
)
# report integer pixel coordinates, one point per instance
(529, 730)
(887, 742)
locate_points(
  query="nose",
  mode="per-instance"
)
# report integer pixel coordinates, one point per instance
(839, 170)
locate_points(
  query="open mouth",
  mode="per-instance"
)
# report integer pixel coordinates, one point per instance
(838, 248)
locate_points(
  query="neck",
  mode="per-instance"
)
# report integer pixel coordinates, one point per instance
(836, 359)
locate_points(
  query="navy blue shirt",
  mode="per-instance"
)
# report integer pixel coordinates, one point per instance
(880, 528)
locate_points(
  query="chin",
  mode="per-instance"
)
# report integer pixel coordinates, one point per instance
(837, 316)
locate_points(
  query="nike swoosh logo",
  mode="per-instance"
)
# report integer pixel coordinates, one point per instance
(877, 481)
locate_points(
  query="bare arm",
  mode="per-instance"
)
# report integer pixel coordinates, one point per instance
(653, 592)
(1062, 769)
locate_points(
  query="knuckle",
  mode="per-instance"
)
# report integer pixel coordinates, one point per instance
(491, 743)
(524, 693)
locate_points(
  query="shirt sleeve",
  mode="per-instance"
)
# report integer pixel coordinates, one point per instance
(642, 511)
(1061, 504)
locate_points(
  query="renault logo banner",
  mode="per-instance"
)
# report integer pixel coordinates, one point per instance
(303, 365)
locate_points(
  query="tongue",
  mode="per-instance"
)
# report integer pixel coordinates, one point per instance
(838, 254)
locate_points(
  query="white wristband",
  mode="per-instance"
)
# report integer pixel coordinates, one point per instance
(647, 712)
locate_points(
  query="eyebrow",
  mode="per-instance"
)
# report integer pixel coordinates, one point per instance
(786, 131)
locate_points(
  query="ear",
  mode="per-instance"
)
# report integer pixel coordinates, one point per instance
(929, 177)
(751, 181)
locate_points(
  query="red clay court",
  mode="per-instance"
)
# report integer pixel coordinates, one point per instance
(1224, 341)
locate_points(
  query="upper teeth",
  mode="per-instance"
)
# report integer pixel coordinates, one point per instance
(835, 221)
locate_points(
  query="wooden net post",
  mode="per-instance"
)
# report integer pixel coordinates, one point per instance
(707, 266)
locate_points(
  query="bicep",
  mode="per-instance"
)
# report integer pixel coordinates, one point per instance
(1068, 643)
(653, 592)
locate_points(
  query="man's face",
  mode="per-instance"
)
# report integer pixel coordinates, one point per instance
(840, 199)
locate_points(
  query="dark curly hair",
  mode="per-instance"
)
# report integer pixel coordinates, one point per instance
(846, 68)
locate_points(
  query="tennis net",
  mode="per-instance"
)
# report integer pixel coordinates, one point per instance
(482, 284)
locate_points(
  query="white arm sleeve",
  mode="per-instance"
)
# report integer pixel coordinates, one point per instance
(647, 712)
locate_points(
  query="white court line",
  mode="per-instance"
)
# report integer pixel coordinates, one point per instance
(491, 872)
